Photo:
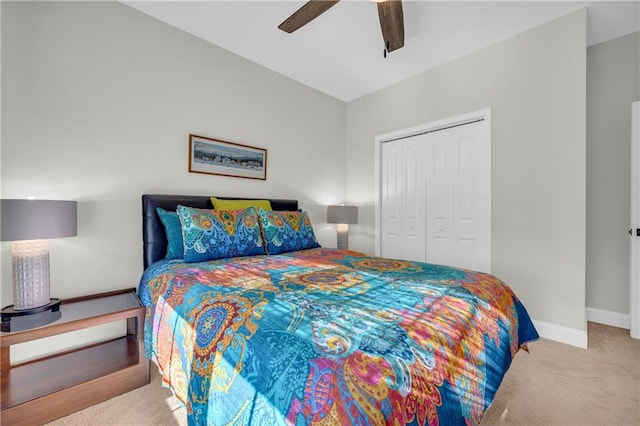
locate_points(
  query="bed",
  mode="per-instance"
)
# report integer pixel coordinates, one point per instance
(323, 336)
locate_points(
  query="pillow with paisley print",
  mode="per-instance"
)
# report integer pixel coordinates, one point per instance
(286, 231)
(218, 234)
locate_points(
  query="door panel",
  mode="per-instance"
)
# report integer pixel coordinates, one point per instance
(413, 226)
(391, 199)
(439, 163)
(471, 197)
(634, 261)
(463, 182)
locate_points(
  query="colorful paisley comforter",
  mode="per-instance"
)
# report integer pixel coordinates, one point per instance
(330, 337)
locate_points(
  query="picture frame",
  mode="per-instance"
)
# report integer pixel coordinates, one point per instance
(218, 157)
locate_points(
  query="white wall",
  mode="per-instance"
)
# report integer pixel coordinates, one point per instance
(99, 101)
(613, 83)
(535, 85)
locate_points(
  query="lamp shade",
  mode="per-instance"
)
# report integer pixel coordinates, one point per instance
(37, 219)
(342, 214)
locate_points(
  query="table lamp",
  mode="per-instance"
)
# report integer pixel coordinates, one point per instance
(342, 216)
(29, 224)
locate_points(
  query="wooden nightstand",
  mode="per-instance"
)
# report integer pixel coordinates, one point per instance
(54, 386)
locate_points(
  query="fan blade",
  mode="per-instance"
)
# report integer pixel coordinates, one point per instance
(307, 13)
(391, 24)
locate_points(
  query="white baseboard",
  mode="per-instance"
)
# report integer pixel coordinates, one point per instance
(614, 319)
(570, 336)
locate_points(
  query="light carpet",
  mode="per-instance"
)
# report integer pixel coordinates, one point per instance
(554, 384)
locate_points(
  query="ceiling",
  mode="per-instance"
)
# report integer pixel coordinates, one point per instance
(341, 52)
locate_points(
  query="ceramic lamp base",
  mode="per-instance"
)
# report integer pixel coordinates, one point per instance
(9, 312)
(343, 236)
(30, 259)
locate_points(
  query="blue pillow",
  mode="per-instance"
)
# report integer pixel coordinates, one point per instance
(286, 231)
(218, 234)
(173, 231)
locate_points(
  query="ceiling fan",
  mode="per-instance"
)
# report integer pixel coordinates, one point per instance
(389, 12)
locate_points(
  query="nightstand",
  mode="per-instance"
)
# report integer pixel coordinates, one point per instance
(54, 386)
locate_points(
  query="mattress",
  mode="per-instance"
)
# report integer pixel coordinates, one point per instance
(325, 336)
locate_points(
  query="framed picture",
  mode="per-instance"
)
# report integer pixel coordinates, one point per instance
(217, 157)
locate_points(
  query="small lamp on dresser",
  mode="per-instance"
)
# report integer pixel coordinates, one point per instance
(342, 216)
(29, 224)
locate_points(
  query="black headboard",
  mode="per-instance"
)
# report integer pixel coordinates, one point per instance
(153, 235)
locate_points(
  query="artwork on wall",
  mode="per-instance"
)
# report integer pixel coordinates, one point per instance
(218, 157)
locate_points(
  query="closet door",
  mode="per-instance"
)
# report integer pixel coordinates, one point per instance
(471, 197)
(634, 249)
(439, 197)
(391, 193)
(458, 194)
(435, 197)
(403, 199)
(413, 200)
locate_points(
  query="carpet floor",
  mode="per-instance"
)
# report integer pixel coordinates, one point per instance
(554, 384)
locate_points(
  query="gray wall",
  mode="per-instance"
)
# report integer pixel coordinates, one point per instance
(535, 84)
(99, 100)
(613, 83)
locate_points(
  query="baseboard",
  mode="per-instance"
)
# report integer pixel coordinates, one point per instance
(614, 319)
(567, 335)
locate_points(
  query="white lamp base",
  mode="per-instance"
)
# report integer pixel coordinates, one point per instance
(343, 236)
(30, 259)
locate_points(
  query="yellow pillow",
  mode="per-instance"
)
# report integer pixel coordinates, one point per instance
(219, 204)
